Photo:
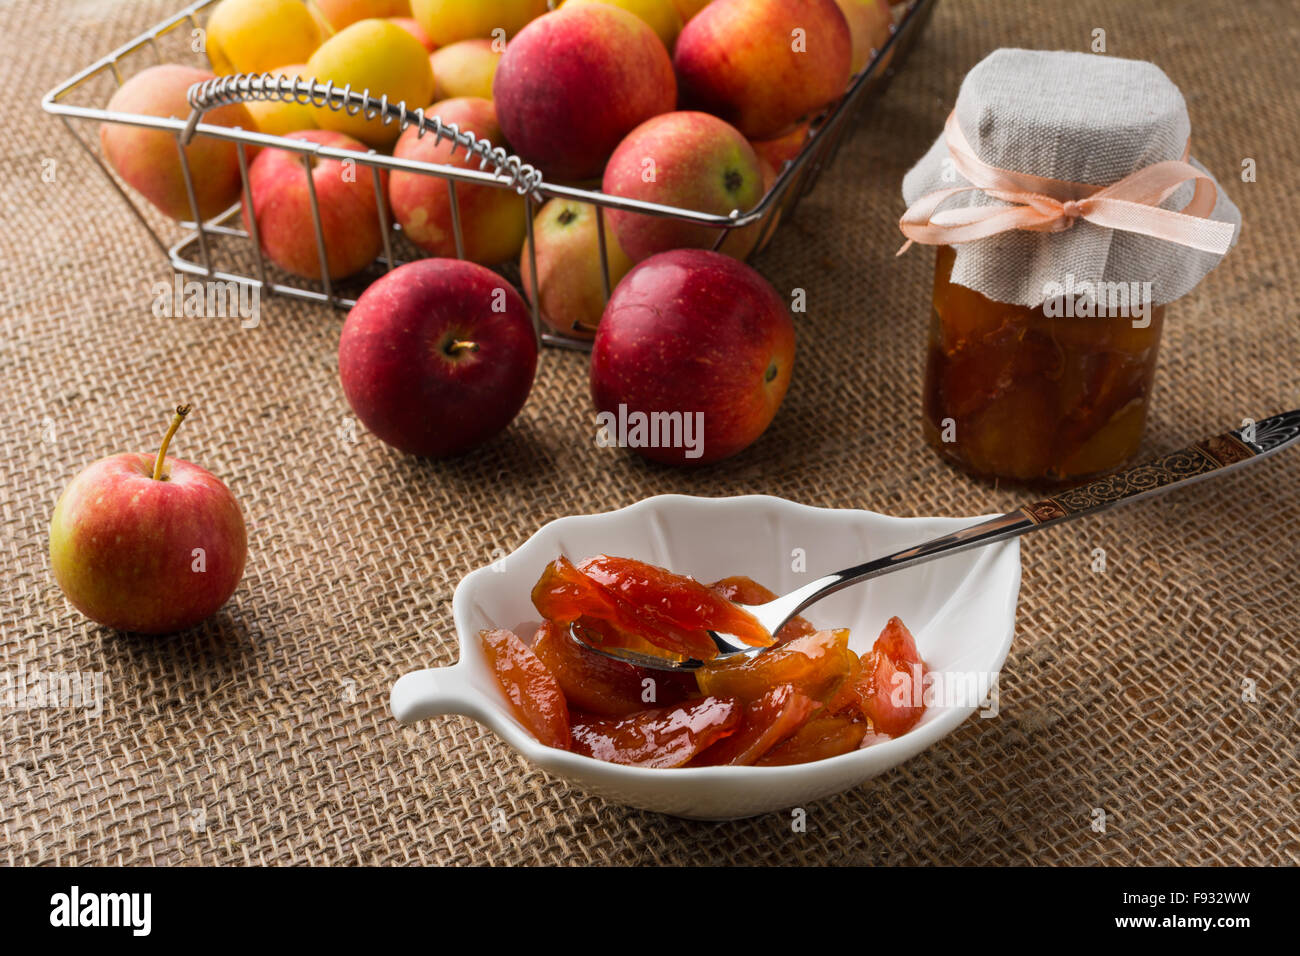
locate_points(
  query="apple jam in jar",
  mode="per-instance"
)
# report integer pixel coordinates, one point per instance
(1015, 392)
(1066, 211)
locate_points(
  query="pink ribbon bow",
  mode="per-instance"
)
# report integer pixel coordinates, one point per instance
(1039, 204)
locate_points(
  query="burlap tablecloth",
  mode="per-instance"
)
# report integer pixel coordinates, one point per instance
(264, 736)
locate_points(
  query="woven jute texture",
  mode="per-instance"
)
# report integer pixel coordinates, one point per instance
(1161, 691)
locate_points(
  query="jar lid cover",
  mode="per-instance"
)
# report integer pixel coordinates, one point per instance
(1080, 118)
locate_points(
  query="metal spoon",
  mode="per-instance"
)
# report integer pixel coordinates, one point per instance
(1212, 456)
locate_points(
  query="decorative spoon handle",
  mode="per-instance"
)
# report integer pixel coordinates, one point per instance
(1207, 457)
(1212, 456)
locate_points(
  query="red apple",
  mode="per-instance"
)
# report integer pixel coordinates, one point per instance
(147, 543)
(574, 82)
(762, 65)
(692, 160)
(491, 219)
(148, 159)
(696, 335)
(345, 192)
(437, 356)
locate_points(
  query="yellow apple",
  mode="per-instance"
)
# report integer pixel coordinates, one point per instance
(374, 55)
(447, 21)
(464, 68)
(276, 117)
(661, 15)
(343, 13)
(253, 36)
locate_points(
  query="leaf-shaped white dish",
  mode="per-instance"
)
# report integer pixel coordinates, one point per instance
(961, 610)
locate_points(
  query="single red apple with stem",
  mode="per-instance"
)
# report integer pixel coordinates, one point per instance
(438, 356)
(147, 544)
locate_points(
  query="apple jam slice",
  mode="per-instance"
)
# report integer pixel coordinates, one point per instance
(743, 590)
(599, 685)
(767, 721)
(888, 689)
(816, 664)
(806, 698)
(531, 690)
(565, 595)
(677, 598)
(662, 737)
(842, 698)
(818, 739)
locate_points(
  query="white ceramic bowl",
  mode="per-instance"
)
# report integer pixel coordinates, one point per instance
(961, 609)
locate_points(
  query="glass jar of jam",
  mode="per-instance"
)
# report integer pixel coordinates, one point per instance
(1031, 395)
(1066, 210)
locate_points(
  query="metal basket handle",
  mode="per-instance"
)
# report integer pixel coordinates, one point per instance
(523, 177)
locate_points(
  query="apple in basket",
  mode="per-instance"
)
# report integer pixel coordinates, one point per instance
(465, 68)
(795, 59)
(449, 21)
(374, 55)
(343, 13)
(278, 117)
(491, 218)
(782, 149)
(253, 36)
(869, 23)
(575, 82)
(686, 159)
(438, 356)
(345, 194)
(147, 543)
(147, 159)
(569, 282)
(692, 357)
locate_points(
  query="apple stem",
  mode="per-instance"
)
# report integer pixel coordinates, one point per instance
(181, 412)
(455, 348)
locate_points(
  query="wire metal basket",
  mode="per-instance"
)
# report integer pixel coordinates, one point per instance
(219, 249)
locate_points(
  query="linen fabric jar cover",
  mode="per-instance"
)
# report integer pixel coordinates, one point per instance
(1086, 120)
